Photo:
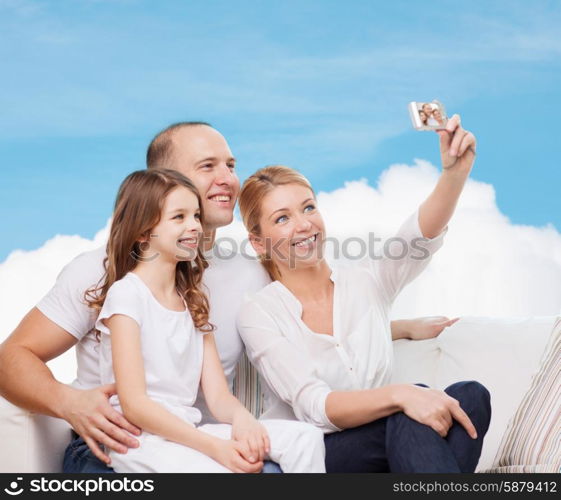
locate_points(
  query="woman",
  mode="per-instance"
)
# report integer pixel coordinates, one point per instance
(321, 337)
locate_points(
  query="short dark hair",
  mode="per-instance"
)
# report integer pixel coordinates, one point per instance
(160, 149)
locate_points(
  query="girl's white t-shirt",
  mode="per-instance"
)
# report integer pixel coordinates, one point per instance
(172, 348)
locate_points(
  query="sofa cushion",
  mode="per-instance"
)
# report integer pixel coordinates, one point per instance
(500, 353)
(532, 441)
(415, 361)
(247, 386)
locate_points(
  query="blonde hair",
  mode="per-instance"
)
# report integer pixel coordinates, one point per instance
(138, 209)
(254, 190)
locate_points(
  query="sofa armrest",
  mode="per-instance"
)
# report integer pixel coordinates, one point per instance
(31, 442)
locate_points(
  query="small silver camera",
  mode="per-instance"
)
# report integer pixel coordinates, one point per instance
(428, 115)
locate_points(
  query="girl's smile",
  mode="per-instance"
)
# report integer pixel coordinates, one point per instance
(190, 242)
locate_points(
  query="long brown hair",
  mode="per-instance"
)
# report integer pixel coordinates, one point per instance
(138, 209)
(254, 190)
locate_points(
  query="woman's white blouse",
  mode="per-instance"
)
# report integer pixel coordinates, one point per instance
(302, 367)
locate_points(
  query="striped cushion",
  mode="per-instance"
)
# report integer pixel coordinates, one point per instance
(532, 441)
(247, 386)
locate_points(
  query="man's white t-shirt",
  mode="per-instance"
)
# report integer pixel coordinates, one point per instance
(228, 278)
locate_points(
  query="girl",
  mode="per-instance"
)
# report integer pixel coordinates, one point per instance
(157, 344)
(321, 337)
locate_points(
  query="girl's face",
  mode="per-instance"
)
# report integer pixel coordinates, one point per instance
(292, 229)
(176, 236)
(437, 115)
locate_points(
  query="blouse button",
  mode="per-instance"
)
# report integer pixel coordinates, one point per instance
(351, 368)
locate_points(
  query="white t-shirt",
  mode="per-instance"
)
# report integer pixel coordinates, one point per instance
(229, 276)
(172, 348)
(302, 367)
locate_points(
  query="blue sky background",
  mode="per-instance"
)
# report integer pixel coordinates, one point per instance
(322, 86)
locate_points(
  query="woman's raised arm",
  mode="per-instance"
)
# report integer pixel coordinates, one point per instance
(457, 152)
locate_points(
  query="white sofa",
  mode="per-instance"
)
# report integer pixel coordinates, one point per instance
(501, 353)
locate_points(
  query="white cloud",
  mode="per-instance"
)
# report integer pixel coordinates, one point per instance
(487, 266)
(27, 275)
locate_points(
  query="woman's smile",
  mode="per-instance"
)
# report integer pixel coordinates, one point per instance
(309, 242)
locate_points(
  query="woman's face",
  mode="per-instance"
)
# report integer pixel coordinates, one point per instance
(292, 229)
(423, 116)
(437, 115)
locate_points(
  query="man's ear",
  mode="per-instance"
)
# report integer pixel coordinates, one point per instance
(257, 244)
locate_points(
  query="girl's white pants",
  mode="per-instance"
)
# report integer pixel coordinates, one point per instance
(295, 446)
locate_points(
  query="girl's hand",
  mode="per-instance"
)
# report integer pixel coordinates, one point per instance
(229, 453)
(457, 146)
(251, 435)
(428, 327)
(433, 408)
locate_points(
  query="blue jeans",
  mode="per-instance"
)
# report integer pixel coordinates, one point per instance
(397, 443)
(79, 458)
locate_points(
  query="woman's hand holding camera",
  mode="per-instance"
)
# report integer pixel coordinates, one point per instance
(457, 146)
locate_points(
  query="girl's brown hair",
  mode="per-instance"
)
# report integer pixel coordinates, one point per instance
(254, 190)
(138, 209)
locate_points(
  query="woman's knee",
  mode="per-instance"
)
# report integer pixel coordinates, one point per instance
(470, 390)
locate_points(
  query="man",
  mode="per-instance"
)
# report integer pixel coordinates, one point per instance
(61, 320)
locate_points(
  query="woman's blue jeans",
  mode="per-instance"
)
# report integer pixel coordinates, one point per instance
(397, 443)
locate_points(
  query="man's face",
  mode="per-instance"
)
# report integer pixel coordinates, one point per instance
(202, 154)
